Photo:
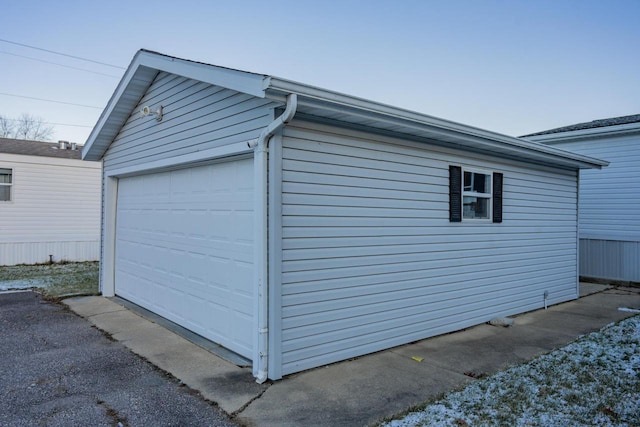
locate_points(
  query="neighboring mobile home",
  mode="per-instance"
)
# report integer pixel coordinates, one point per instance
(609, 213)
(298, 226)
(49, 203)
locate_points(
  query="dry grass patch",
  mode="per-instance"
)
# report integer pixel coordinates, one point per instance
(53, 280)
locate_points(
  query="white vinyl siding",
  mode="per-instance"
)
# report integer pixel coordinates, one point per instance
(609, 211)
(370, 259)
(54, 210)
(197, 116)
(609, 202)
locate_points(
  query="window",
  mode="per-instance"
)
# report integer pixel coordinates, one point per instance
(474, 195)
(5, 185)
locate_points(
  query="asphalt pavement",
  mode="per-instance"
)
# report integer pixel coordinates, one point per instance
(56, 369)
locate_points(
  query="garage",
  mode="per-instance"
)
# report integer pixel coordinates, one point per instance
(348, 227)
(184, 248)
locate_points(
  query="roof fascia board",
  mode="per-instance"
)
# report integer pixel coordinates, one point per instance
(333, 101)
(535, 151)
(237, 80)
(285, 86)
(599, 132)
(459, 143)
(88, 153)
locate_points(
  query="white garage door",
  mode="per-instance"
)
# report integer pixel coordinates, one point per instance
(184, 248)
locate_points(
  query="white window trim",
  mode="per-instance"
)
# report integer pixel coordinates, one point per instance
(488, 195)
(9, 184)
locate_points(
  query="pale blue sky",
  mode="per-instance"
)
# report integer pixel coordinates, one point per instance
(513, 67)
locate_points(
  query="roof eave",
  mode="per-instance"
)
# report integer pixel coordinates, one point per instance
(465, 136)
(138, 77)
(146, 65)
(599, 132)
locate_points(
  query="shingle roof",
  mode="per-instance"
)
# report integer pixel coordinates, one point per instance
(614, 121)
(37, 148)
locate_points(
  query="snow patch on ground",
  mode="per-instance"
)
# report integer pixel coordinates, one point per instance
(593, 381)
(40, 282)
(629, 310)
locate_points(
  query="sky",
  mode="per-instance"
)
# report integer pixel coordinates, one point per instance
(513, 67)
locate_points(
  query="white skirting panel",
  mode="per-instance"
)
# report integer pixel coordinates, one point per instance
(38, 252)
(610, 260)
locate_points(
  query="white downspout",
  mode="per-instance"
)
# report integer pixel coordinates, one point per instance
(261, 247)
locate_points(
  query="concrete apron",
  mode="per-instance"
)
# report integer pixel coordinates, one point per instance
(361, 391)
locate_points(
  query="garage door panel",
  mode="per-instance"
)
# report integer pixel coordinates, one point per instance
(244, 233)
(200, 314)
(184, 248)
(244, 272)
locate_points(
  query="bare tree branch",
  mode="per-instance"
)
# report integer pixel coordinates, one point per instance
(26, 126)
(6, 127)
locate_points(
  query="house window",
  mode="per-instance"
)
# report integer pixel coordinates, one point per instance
(5, 184)
(474, 195)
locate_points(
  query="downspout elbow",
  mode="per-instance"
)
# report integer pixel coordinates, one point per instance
(280, 121)
(283, 119)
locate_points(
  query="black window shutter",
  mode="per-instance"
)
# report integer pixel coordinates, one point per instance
(455, 194)
(497, 197)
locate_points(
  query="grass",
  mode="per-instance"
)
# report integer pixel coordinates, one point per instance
(53, 280)
(593, 381)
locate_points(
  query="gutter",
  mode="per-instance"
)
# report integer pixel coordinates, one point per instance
(261, 244)
(445, 130)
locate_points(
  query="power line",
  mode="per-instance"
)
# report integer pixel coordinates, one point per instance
(61, 65)
(62, 54)
(51, 123)
(50, 100)
(66, 124)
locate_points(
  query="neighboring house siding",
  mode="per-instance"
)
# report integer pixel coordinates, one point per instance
(197, 117)
(370, 260)
(609, 213)
(55, 210)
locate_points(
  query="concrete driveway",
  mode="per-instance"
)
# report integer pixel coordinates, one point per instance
(366, 389)
(58, 370)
